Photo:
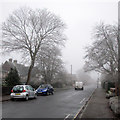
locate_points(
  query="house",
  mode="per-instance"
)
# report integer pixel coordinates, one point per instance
(6, 67)
(22, 70)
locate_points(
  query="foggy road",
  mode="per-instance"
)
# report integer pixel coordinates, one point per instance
(62, 104)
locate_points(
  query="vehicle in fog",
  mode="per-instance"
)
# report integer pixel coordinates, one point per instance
(78, 85)
(23, 91)
(45, 89)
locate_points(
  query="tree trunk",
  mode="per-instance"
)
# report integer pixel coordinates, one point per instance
(29, 72)
(46, 81)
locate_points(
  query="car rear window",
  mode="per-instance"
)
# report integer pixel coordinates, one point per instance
(17, 89)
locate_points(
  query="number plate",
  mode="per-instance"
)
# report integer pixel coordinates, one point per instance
(17, 94)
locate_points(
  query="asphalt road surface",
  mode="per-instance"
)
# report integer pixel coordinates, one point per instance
(63, 104)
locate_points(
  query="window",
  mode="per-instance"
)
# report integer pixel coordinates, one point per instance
(31, 88)
(18, 89)
(27, 87)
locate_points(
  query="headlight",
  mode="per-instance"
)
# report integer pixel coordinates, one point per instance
(45, 90)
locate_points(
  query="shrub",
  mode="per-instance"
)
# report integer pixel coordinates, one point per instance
(12, 78)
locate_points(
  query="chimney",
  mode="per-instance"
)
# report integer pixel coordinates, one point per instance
(10, 60)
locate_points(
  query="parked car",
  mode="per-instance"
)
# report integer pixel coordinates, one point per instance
(45, 89)
(23, 91)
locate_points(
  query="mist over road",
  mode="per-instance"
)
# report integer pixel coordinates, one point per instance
(63, 103)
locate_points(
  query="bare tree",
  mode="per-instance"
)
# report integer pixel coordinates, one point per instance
(49, 63)
(27, 30)
(102, 56)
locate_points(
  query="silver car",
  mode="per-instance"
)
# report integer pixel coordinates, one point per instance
(23, 91)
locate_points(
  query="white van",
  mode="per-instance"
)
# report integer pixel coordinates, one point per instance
(78, 85)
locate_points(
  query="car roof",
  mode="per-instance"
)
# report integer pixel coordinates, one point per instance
(21, 85)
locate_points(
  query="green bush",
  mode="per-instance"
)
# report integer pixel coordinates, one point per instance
(12, 78)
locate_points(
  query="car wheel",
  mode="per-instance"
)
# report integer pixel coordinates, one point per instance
(52, 92)
(26, 98)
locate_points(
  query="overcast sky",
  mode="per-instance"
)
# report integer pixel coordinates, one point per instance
(80, 17)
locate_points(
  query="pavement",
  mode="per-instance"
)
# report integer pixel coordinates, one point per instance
(4, 98)
(97, 106)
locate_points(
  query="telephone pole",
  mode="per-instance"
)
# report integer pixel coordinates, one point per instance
(71, 73)
(71, 70)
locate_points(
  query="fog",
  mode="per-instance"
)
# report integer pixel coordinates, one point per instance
(80, 17)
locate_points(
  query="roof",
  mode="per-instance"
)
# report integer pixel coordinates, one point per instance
(22, 70)
(7, 66)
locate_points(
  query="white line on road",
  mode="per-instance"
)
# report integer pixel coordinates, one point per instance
(82, 100)
(66, 116)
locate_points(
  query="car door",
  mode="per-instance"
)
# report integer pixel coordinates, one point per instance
(32, 92)
(28, 90)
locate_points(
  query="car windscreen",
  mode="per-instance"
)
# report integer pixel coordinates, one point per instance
(43, 86)
(18, 89)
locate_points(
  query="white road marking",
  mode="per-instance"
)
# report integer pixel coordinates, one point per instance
(82, 100)
(66, 116)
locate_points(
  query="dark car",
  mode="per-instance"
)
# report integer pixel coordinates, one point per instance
(45, 89)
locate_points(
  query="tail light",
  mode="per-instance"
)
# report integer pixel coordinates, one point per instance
(24, 90)
(11, 91)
